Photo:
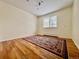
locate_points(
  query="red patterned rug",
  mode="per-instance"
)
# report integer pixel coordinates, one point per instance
(51, 43)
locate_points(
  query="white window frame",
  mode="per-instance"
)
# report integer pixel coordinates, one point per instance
(50, 22)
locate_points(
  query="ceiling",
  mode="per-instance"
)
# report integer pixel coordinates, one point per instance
(39, 7)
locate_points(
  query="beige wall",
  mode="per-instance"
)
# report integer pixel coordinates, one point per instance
(15, 23)
(76, 22)
(64, 28)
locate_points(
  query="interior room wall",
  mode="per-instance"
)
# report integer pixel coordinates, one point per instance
(15, 23)
(76, 22)
(64, 20)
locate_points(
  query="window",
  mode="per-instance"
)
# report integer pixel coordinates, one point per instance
(46, 23)
(50, 22)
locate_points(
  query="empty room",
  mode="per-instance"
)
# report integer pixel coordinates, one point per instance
(39, 29)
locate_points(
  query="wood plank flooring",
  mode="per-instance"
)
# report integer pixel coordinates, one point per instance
(21, 49)
(73, 51)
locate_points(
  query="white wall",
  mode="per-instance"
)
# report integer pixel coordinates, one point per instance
(76, 22)
(64, 28)
(15, 23)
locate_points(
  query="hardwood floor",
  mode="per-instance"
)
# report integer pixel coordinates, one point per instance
(73, 51)
(21, 49)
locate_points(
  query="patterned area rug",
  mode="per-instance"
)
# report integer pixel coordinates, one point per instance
(53, 44)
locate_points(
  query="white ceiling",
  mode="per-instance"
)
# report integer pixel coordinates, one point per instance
(46, 6)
